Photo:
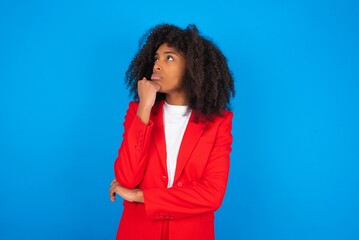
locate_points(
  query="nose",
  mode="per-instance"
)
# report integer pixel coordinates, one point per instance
(156, 66)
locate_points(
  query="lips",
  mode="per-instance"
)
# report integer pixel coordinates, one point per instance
(156, 76)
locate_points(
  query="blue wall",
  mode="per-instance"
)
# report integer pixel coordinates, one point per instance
(294, 172)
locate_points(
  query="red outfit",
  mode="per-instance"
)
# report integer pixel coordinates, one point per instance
(185, 211)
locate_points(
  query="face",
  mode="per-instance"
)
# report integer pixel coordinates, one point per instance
(168, 69)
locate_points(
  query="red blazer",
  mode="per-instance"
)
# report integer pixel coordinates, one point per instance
(186, 209)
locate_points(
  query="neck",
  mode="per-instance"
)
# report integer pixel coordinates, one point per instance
(176, 99)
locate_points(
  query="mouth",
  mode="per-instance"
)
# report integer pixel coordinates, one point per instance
(156, 76)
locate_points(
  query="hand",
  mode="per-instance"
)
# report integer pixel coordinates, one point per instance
(147, 92)
(131, 195)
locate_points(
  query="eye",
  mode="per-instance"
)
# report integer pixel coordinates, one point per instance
(170, 58)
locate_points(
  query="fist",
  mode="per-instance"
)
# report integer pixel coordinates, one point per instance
(147, 92)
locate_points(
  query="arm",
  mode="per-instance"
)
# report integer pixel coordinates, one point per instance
(200, 196)
(133, 153)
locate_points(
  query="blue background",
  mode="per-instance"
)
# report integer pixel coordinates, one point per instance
(294, 172)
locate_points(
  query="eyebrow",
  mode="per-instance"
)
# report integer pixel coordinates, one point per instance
(168, 52)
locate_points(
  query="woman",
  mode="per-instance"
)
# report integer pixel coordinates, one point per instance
(172, 166)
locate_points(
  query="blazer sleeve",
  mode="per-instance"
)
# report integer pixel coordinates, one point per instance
(200, 196)
(132, 156)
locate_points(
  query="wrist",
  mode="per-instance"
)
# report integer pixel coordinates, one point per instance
(144, 106)
(139, 196)
(143, 112)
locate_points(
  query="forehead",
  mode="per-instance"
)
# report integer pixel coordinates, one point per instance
(164, 49)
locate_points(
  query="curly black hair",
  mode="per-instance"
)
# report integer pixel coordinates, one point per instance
(207, 81)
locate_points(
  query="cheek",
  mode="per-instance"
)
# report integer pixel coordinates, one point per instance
(175, 74)
(179, 72)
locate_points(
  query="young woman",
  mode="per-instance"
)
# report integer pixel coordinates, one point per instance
(172, 166)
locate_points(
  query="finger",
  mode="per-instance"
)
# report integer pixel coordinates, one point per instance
(112, 194)
(141, 80)
(113, 187)
(113, 197)
(113, 181)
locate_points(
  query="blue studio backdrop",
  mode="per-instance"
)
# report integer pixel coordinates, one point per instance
(294, 165)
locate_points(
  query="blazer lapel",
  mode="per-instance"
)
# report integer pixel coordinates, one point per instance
(158, 133)
(190, 138)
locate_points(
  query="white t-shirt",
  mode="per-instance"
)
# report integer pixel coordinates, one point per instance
(175, 121)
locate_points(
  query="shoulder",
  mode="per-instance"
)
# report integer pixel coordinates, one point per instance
(225, 116)
(132, 107)
(133, 104)
(227, 113)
